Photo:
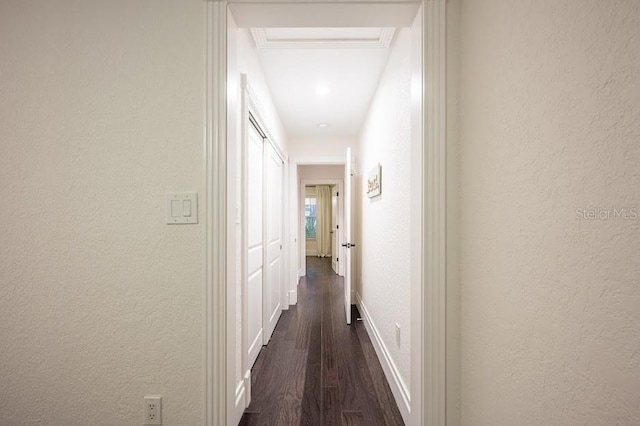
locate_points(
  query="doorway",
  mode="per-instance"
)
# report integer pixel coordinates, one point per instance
(430, 302)
(330, 177)
(321, 223)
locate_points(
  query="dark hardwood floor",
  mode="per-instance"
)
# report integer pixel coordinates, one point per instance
(317, 370)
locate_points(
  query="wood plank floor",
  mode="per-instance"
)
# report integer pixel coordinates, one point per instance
(317, 370)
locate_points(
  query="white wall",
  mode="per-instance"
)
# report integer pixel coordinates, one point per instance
(385, 231)
(313, 148)
(321, 172)
(249, 64)
(549, 124)
(100, 300)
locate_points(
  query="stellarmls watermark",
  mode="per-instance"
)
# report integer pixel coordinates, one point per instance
(600, 213)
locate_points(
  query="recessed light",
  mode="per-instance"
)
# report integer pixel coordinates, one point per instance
(323, 125)
(322, 90)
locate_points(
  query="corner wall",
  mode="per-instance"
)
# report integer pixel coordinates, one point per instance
(100, 301)
(550, 300)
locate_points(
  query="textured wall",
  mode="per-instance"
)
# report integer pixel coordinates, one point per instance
(333, 147)
(550, 123)
(384, 226)
(101, 114)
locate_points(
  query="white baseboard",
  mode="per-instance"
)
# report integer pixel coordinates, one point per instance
(247, 386)
(301, 273)
(293, 297)
(311, 253)
(240, 403)
(241, 395)
(255, 347)
(398, 386)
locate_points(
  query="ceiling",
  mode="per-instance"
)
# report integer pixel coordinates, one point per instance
(342, 46)
(322, 79)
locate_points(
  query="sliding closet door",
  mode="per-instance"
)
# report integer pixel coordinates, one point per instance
(274, 259)
(255, 245)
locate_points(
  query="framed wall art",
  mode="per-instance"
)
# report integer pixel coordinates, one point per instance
(374, 181)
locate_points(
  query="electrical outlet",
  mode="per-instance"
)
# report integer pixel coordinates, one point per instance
(153, 410)
(398, 334)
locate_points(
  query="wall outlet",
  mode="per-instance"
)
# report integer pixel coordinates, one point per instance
(153, 410)
(398, 334)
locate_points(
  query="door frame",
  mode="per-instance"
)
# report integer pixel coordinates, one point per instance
(302, 183)
(335, 231)
(433, 217)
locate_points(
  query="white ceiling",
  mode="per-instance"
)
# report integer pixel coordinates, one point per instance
(346, 61)
(341, 45)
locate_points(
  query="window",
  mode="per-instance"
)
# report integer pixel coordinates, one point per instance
(310, 217)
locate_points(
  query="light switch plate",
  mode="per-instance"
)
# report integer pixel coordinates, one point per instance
(181, 208)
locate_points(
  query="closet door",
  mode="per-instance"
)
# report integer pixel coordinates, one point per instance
(272, 306)
(255, 245)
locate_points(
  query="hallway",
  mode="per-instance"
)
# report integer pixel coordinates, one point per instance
(316, 370)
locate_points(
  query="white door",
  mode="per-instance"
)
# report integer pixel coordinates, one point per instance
(255, 246)
(334, 228)
(272, 300)
(348, 233)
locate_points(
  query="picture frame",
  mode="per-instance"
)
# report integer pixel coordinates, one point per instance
(374, 181)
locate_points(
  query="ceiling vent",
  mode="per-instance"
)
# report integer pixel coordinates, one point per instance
(322, 38)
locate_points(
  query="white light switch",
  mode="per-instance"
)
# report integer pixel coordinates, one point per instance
(181, 208)
(175, 208)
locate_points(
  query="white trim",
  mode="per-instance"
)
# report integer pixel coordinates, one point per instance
(293, 297)
(247, 386)
(314, 161)
(240, 396)
(398, 386)
(286, 237)
(323, 13)
(383, 41)
(245, 363)
(433, 299)
(386, 36)
(254, 350)
(215, 347)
